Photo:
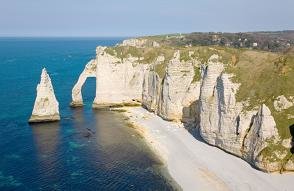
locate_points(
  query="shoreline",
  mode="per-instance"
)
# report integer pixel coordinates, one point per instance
(195, 165)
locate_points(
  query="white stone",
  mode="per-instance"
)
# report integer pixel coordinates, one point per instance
(178, 93)
(89, 71)
(175, 96)
(139, 43)
(118, 81)
(287, 143)
(263, 129)
(282, 103)
(155, 44)
(223, 122)
(46, 107)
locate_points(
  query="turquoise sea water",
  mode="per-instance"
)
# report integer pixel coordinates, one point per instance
(61, 156)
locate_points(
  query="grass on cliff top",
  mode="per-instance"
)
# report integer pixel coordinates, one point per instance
(263, 77)
(149, 55)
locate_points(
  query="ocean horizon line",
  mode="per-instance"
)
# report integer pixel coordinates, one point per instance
(66, 37)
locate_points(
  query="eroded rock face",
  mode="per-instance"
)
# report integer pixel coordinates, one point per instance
(209, 103)
(262, 130)
(126, 81)
(282, 103)
(46, 107)
(118, 81)
(223, 122)
(134, 42)
(178, 93)
(89, 71)
(152, 89)
(175, 96)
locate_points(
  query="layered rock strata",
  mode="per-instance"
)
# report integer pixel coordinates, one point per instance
(225, 124)
(175, 96)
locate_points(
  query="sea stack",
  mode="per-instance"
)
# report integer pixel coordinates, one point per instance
(46, 107)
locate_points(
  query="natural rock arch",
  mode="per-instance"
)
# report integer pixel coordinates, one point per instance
(89, 71)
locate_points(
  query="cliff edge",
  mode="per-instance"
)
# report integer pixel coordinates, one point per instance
(242, 100)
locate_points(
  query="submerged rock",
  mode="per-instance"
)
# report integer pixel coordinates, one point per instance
(46, 107)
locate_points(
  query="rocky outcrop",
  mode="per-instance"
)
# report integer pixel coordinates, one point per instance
(176, 90)
(152, 89)
(134, 42)
(139, 43)
(221, 121)
(225, 124)
(175, 96)
(117, 81)
(46, 107)
(262, 132)
(89, 71)
(127, 81)
(282, 103)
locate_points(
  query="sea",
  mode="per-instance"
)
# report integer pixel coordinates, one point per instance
(62, 155)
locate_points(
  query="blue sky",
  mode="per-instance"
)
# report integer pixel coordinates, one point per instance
(141, 17)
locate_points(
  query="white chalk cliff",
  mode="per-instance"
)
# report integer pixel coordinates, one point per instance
(89, 71)
(175, 96)
(208, 102)
(46, 107)
(117, 81)
(225, 125)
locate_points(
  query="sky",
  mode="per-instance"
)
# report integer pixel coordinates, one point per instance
(98, 18)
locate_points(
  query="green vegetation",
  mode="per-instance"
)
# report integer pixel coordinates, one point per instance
(160, 69)
(278, 41)
(275, 152)
(263, 75)
(123, 51)
(184, 55)
(149, 55)
(197, 74)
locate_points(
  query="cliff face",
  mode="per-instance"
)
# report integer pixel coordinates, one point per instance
(225, 124)
(220, 122)
(127, 81)
(117, 81)
(175, 96)
(198, 86)
(89, 71)
(46, 107)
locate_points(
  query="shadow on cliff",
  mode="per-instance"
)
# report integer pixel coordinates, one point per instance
(191, 120)
(292, 134)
